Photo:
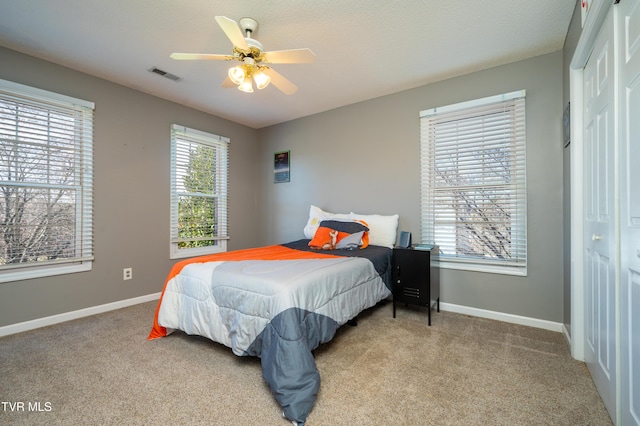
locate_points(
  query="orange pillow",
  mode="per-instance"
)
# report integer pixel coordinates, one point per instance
(331, 232)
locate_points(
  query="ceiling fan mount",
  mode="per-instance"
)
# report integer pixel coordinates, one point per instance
(254, 60)
(248, 25)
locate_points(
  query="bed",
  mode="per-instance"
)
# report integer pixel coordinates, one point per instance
(280, 302)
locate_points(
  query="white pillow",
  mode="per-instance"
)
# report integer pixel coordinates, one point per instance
(382, 229)
(317, 215)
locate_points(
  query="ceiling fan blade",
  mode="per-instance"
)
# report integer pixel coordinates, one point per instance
(205, 56)
(227, 83)
(287, 87)
(233, 31)
(292, 56)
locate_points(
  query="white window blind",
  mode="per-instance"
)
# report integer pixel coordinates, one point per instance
(46, 178)
(199, 170)
(474, 183)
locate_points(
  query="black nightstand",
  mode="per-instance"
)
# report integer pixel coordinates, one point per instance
(416, 281)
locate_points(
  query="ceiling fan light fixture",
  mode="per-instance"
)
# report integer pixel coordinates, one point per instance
(250, 52)
(262, 80)
(246, 85)
(237, 74)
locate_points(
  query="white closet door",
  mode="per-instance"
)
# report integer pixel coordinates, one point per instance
(600, 215)
(628, 27)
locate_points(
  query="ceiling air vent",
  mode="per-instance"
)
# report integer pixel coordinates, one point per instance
(164, 74)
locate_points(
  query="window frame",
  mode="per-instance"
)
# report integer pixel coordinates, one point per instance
(186, 135)
(515, 190)
(83, 150)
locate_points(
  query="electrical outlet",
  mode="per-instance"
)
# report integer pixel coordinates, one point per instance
(127, 273)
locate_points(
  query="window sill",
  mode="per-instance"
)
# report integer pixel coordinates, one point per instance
(43, 271)
(203, 251)
(476, 267)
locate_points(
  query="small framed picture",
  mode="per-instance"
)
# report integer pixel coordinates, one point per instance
(281, 167)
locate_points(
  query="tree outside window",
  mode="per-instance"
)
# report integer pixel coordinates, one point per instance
(45, 183)
(199, 192)
(474, 183)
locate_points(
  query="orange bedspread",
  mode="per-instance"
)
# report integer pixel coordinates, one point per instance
(275, 252)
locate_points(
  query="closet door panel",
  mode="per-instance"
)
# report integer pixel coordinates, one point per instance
(600, 251)
(628, 27)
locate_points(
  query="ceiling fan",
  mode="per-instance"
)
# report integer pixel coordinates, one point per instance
(254, 60)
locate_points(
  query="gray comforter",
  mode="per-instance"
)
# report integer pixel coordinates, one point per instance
(278, 310)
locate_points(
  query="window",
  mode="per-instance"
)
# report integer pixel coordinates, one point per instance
(199, 163)
(46, 175)
(474, 184)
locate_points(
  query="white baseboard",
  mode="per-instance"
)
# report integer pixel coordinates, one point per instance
(68, 316)
(500, 316)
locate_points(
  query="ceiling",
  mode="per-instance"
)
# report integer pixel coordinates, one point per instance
(364, 48)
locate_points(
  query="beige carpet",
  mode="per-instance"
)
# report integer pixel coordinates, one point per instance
(460, 371)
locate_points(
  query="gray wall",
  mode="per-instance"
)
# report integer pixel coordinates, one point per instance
(131, 189)
(365, 158)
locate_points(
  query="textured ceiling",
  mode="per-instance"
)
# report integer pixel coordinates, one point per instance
(364, 48)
